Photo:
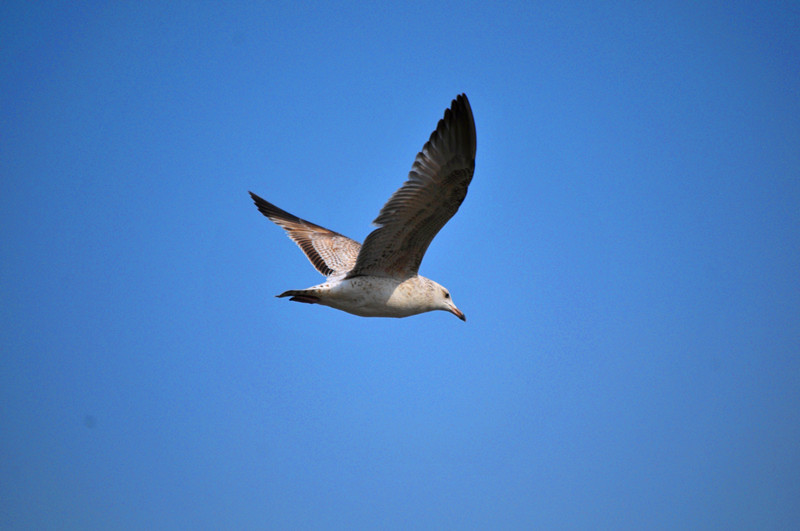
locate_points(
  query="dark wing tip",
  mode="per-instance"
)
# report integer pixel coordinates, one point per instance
(272, 212)
(454, 134)
(263, 205)
(459, 118)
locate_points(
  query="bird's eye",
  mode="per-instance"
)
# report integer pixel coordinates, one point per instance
(446, 295)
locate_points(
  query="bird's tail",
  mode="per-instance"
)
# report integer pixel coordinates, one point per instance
(300, 295)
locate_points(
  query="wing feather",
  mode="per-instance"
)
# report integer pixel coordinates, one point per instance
(329, 252)
(436, 187)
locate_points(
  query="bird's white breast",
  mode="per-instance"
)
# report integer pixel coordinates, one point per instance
(378, 296)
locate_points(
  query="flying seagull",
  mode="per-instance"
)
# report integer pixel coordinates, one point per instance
(379, 278)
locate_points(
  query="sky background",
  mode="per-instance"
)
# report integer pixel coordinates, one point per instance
(628, 258)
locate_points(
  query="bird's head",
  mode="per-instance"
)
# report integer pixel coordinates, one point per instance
(444, 301)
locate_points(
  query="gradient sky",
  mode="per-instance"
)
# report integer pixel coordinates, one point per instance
(628, 258)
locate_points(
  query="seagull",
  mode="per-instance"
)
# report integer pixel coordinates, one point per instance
(379, 278)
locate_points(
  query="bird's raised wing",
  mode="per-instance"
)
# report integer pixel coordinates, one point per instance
(330, 252)
(436, 187)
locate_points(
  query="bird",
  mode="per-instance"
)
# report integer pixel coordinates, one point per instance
(380, 278)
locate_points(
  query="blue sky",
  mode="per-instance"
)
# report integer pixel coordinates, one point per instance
(627, 258)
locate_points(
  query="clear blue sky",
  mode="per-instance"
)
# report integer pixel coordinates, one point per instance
(628, 258)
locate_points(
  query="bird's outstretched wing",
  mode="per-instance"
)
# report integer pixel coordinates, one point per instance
(436, 187)
(330, 252)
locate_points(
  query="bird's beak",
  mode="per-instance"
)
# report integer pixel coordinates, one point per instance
(458, 313)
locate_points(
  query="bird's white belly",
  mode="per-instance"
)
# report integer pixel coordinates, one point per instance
(374, 297)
